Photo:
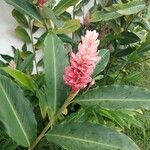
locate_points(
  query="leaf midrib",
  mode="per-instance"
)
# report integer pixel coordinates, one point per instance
(54, 73)
(83, 140)
(133, 99)
(16, 116)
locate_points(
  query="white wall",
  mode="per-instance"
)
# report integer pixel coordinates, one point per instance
(7, 26)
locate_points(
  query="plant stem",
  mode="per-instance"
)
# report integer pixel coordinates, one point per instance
(41, 135)
(54, 119)
(33, 48)
(43, 19)
(66, 103)
(45, 24)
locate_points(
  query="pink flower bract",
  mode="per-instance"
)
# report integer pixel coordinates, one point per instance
(82, 64)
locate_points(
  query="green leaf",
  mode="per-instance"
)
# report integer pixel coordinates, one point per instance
(103, 3)
(125, 52)
(66, 39)
(16, 113)
(55, 61)
(25, 7)
(118, 10)
(6, 57)
(63, 5)
(87, 136)
(148, 13)
(132, 7)
(21, 77)
(17, 57)
(48, 13)
(128, 38)
(27, 62)
(22, 34)
(81, 4)
(42, 102)
(146, 45)
(116, 97)
(103, 16)
(20, 18)
(68, 27)
(104, 59)
(40, 41)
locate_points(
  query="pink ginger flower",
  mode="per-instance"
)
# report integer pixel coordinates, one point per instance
(82, 64)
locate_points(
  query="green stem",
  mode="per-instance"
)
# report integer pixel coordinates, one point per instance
(41, 135)
(45, 24)
(66, 103)
(54, 119)
(33, 47)
(43, 19)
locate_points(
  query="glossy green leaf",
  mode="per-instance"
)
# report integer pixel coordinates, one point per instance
(22, 34)
(20, 18)
(87, 136)
(6, 57)
(17, 57)
(132, 7)
(27, 62)
(63, 5)
(55, 61)
(68, 27)
(117, 10)
(21, 77)
(116, 97)
(66, 39)
(103, 3)
(104, 59)
(25, 7)
(48, 13)
(42, 102)
(125, 52)
(103, 16)
(40, 42)
(128, 38)
(16, 113)
(145, 47)
(81, 4)
(148, 13)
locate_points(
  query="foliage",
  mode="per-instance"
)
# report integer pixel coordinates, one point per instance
(33, 111)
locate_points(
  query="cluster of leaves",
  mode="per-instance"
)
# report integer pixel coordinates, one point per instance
(33, 110)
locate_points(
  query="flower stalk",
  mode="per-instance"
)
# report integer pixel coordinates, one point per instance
(54, 119)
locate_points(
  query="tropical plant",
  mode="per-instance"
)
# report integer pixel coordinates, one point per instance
(37, 108)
